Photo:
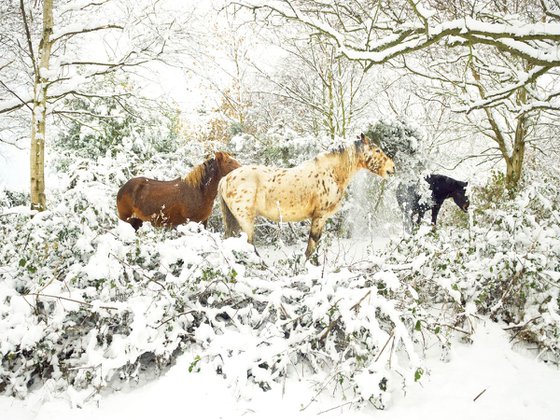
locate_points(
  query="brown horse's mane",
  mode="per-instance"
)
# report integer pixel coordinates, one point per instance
(201, 175)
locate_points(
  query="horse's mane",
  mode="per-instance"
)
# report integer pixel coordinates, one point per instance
(348, 150)
(201, 174)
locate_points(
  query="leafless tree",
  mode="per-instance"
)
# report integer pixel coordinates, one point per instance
(504, 51)
(51, 51)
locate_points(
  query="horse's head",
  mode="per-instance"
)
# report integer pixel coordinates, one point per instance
(371, 157)
(225, 163)
(460, 196)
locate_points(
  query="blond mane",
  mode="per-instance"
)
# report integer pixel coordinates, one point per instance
(348, 155)
(200, 174)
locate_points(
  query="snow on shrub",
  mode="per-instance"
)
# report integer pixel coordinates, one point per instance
(86, 304)
(505, 264)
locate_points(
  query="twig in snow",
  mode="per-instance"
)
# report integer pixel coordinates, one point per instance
(37, 295)
(356, 307)
(482, 392)
(383, 349)
(338, 406)
(175, 316)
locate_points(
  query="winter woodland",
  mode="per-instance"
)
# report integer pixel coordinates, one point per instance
(94, 93)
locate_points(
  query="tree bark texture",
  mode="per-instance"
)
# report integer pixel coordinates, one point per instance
(38, 127)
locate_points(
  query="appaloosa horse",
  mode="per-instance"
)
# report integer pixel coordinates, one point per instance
(412, 203)
(312, 190)
(171, 203)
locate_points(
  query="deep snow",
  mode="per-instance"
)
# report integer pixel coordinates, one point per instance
(515, 385)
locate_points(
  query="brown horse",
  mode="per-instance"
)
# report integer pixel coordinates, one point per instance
(171, 203)
(312, 190)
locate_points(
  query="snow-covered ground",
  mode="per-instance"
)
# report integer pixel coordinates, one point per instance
(513, 385)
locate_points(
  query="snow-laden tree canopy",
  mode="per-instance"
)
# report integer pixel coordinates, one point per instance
(382, 31)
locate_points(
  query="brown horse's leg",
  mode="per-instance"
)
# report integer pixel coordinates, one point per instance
(317, 224)
(136, 223)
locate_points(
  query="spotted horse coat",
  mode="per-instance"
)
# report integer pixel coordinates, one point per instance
(313, 190)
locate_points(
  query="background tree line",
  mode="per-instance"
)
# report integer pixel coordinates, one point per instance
(481, 76)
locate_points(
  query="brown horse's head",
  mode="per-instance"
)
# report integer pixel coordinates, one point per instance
(225, 163)
(371, 157)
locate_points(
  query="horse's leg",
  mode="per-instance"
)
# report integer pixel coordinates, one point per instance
(231, 225)
(247, 223)
(419, 218)
(317, 225)
(435, 211)
(239, 216)
(135, 222)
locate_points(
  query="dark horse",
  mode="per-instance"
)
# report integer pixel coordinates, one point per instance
(412, 203)
(171, 203)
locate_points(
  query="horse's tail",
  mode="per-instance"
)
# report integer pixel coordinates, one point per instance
(231, 224)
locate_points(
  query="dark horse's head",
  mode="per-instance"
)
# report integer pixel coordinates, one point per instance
(460, 195)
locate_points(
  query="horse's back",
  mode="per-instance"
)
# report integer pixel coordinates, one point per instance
(274, 193)
(443, 185)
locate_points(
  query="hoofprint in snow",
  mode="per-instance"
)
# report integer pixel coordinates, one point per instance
(483, 380)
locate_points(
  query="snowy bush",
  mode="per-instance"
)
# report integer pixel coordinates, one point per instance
(126, 122)
(402, 142)
(88, 305)
(279, 147)
(505, 264)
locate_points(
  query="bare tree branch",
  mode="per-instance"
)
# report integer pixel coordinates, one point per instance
(85, 31)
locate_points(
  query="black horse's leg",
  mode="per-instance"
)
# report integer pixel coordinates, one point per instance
(435, 211)
(420, 216)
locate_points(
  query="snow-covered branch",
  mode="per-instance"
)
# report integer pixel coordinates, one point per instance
(78, 30)
(511, 38)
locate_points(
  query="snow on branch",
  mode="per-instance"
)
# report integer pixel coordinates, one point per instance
(507, 91)
(73, 30)
(519, 40)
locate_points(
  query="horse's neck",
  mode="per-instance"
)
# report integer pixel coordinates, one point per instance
(210, 187)
(207, 183)
(343, 166)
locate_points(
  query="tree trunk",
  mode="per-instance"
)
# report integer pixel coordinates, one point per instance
(514, 165)
(40, 87)
(330, 115)
(514, 160)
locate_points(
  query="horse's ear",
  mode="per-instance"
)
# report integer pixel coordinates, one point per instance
(362, 137)
(219, 155)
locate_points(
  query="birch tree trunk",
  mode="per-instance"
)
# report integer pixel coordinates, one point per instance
(40, 87)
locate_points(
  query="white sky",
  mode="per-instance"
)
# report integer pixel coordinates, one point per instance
(14, 168)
